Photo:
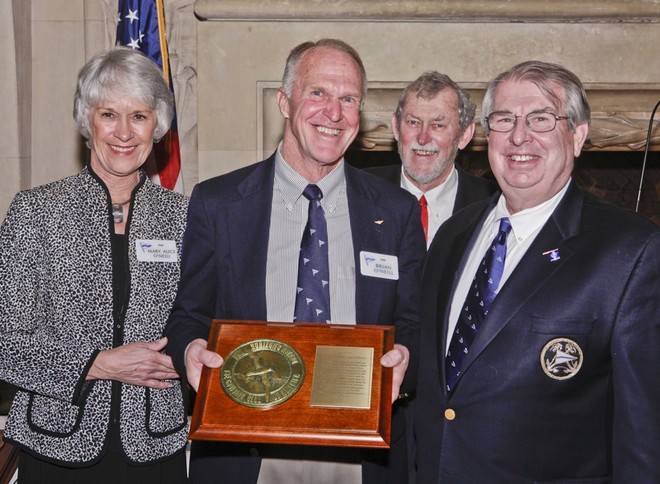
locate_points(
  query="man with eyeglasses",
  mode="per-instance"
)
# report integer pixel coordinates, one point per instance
(540, 360)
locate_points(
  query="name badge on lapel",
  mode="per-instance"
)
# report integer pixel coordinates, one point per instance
(155, 250)
(382, 266)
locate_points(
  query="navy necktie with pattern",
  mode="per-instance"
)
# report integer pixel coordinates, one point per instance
(479, 298)
(313, 291)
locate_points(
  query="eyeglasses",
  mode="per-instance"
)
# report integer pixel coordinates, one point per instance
(537, 121)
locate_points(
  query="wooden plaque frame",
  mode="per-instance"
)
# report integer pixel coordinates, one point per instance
(295, 421)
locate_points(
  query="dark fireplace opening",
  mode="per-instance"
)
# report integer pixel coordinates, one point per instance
(612, 175)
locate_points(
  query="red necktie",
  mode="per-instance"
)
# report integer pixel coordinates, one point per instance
(423, 206)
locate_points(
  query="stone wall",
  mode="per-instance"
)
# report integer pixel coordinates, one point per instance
(610, 45)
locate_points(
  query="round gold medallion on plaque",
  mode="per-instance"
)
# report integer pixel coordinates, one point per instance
(262, 373)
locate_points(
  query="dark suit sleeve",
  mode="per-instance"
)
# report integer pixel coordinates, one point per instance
(191, 314)
(411, 257)
(636, 372)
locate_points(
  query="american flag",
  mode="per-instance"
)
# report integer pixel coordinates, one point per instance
(141, 25)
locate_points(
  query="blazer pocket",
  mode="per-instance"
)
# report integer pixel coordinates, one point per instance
(562, 326)
(165, 410)
(53, 417)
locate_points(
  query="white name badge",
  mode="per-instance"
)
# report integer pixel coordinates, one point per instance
(379, 265)
(155, 250)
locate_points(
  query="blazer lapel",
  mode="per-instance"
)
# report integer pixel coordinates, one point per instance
(248, 224)
(369, 232)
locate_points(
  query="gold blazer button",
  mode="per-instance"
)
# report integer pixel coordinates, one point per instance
(450, 414)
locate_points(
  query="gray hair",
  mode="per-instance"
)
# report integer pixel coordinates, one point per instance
(122, 71)
(544, 75)
(299, 51)
(428, 85)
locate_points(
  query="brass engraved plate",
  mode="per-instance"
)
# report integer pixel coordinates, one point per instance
(262, 373)
(342, 377)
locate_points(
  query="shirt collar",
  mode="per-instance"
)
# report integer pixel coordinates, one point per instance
(529, 221)
(291, 184)
(435, 193)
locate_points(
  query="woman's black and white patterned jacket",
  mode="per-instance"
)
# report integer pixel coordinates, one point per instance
(56, 314)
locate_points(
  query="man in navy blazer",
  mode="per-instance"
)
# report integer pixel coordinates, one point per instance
(240, 259)
(560, 383)
(433, 120)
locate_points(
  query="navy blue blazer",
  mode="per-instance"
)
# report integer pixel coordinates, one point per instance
(223, 268)
(509, 420)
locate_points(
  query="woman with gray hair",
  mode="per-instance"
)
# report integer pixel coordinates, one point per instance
(90, 267)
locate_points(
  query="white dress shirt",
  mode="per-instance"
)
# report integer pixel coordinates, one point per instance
(287, 222)
(525, 226)
(440, 200)
(304, 464)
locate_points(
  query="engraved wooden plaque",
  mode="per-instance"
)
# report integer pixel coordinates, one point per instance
(290, 383)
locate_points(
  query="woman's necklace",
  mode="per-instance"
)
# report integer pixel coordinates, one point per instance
(118, 211)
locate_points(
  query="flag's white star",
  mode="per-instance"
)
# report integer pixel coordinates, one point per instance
(133, 44)
(132, 15)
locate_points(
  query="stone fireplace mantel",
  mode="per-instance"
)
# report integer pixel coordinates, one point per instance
(619, 120)
(431, 10)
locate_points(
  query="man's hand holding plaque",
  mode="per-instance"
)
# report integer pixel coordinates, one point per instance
(397, 359)
(197, 357)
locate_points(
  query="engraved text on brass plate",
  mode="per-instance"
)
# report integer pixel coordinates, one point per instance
(342, 377)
